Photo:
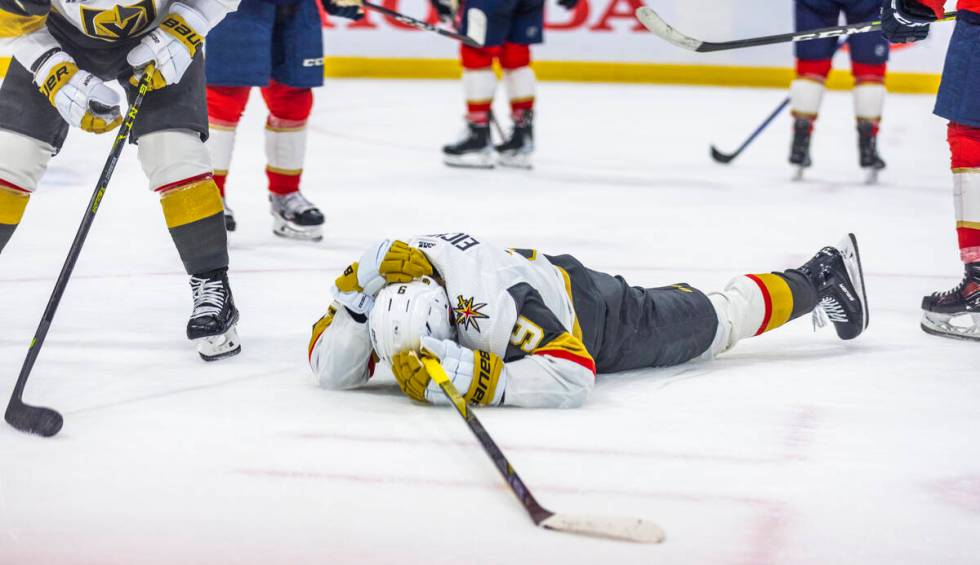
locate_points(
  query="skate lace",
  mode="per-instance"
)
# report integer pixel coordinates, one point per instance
(209, 297)
(294, 203)
(956, 289)
(833, 309)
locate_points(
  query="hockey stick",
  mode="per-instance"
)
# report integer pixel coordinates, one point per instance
(37, 419)
(626, 529)
(424, 26)
(725, 158)
(653, 22)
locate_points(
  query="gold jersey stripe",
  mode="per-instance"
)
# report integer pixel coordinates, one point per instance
(321, 326)
(966, 170)
(968, 225)
(13, 25)
(188, 204)
(12, 205)
(566, 342)
(576, 328)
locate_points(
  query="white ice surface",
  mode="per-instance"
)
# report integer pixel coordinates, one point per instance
(795, 448)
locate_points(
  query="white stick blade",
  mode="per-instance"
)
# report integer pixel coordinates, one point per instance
(626, 529)
(653, 22)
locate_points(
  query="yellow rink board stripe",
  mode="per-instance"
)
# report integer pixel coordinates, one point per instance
(582, 71)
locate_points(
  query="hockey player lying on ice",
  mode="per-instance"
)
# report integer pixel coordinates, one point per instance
(520, 328)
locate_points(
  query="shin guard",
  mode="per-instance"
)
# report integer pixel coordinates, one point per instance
(195, 218)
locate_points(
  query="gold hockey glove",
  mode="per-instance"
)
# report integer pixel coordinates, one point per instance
(403, 264)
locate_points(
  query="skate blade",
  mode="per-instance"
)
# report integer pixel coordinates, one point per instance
(871, 176)
(798, 174)
(515, 161)
(289, 230)
(213, 348)
(481, 160)
(855, 270)
(949, 325)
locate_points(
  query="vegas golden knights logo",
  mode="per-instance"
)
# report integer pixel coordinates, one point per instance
(119, 22)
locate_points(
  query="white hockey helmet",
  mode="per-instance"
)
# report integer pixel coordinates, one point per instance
(404, 313)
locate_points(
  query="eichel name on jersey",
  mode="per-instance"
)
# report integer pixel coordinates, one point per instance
(556, 323)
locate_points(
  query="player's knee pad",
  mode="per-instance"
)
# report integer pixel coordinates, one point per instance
(226, 104)
(24, 161)
(288, 103)
(515, 56)
(477, 58)
(964, 144)
(172, 156)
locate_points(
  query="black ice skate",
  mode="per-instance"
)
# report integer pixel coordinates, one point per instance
(839, 279)
(295, 217)
(230, 223)
(516, 151)
(799, 151)
(212, 323)
(868, 150)
(473, 150)
(955, 313)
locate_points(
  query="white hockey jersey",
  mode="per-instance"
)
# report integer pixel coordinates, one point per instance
(103, 20)
(513, 303)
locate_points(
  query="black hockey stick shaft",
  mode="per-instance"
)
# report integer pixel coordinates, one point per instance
(726, 158)
(45, 421)
(653, 22)
(609, 527)
(424, 26)
(537, 513)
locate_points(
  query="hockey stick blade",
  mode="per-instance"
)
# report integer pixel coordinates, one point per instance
(37, 420)
(609, 527)
(720, 157)
(653, 22)
(626, 529)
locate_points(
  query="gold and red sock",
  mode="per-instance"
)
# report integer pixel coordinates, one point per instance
(195, 217)
(779, 298)
(13, 203)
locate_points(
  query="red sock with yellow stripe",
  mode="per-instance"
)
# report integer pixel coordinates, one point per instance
(13, 202)
(285, 135)
(964, 144)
